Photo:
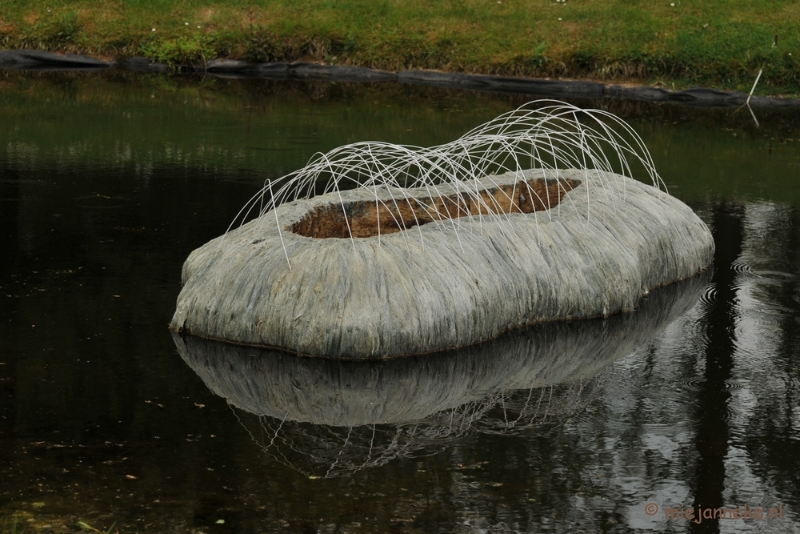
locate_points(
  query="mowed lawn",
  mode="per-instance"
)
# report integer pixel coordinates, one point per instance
(719, 43)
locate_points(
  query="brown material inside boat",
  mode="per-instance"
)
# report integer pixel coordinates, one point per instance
(365, 218)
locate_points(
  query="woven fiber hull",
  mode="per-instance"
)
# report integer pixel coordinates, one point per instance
(441, 285)
(349, 394)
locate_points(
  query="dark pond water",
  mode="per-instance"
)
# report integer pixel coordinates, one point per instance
(107, 182)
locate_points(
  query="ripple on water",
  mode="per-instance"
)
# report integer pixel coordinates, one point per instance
(769, 313)
(777, 276)
(694, 392)
(697, 327)
(98, 201)
(691, 384)
(303, 140)
(696, 384)
(764, 308)
(744, 269)
(709, 296)
(271, 149)
(741, 267)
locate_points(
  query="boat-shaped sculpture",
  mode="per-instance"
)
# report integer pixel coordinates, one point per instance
(529, 218)
(330, 418)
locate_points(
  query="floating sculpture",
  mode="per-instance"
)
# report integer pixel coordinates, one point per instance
(330, 418)
(531, 217)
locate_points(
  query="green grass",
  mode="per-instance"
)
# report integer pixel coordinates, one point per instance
(718, 43)
(12, 526)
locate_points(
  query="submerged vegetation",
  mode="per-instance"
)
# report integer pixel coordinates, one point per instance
(33, 525)
(680, 43)
(9, 526)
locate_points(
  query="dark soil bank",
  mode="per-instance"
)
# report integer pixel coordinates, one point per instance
(696, 96)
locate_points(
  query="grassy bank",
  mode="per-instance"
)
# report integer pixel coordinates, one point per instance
(715, 43)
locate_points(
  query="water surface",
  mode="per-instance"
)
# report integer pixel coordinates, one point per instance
(108, 181)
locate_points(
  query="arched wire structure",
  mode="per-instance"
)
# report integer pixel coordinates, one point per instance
(546, 135)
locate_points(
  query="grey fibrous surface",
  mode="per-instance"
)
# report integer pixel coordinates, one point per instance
(347, 416)
(457, 280)
(359, 299)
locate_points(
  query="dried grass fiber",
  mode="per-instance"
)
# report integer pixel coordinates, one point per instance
(349, 394)
(442, 285)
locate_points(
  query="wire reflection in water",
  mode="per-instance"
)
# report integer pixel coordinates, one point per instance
(328, 418)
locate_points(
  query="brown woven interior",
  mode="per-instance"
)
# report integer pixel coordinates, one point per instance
(364, 219)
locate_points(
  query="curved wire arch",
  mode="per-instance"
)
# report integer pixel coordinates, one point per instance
(544, 135)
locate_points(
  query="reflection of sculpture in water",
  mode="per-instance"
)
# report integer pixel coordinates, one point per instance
(329, 418)
(331, 451)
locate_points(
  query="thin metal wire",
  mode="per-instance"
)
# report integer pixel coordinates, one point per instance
(546, 135)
